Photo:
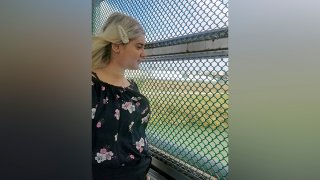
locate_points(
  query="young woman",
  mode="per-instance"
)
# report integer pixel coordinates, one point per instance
(120, 113)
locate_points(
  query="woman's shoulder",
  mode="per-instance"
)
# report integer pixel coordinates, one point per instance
(94, 75)
(95, 81)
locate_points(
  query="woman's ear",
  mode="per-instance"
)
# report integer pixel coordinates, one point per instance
(115, 48)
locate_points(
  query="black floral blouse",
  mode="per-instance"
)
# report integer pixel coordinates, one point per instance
(119, 119)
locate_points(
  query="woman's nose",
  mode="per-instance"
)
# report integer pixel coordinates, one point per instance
(143, 54)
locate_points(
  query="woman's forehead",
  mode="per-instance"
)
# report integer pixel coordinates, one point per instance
(140, 39)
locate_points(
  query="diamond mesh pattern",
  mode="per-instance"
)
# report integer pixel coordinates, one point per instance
(167, 19)
(189, 100)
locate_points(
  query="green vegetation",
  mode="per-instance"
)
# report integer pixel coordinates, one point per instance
(176, 103)
(189, 118)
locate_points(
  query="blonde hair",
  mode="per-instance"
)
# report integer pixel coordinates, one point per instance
(118, 28)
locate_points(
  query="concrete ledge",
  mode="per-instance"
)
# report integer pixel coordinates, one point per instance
(171, 174)
(200, 46)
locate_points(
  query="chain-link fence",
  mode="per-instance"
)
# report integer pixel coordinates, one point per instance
(188, 92)
(166, 19)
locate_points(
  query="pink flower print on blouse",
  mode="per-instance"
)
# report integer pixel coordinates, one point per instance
(103, 88)
(105, 101)
(103, 155)
(99, 123)
(128, 106)
(138, 104)
(131, 156)
(139, 145)
(130, 126)
(93, 112)
(109, 155)
(117, 114)
(145, 119)
(144, 111)
(103, 151)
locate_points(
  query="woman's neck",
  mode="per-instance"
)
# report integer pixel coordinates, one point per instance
(112, 74)
(113, 71)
